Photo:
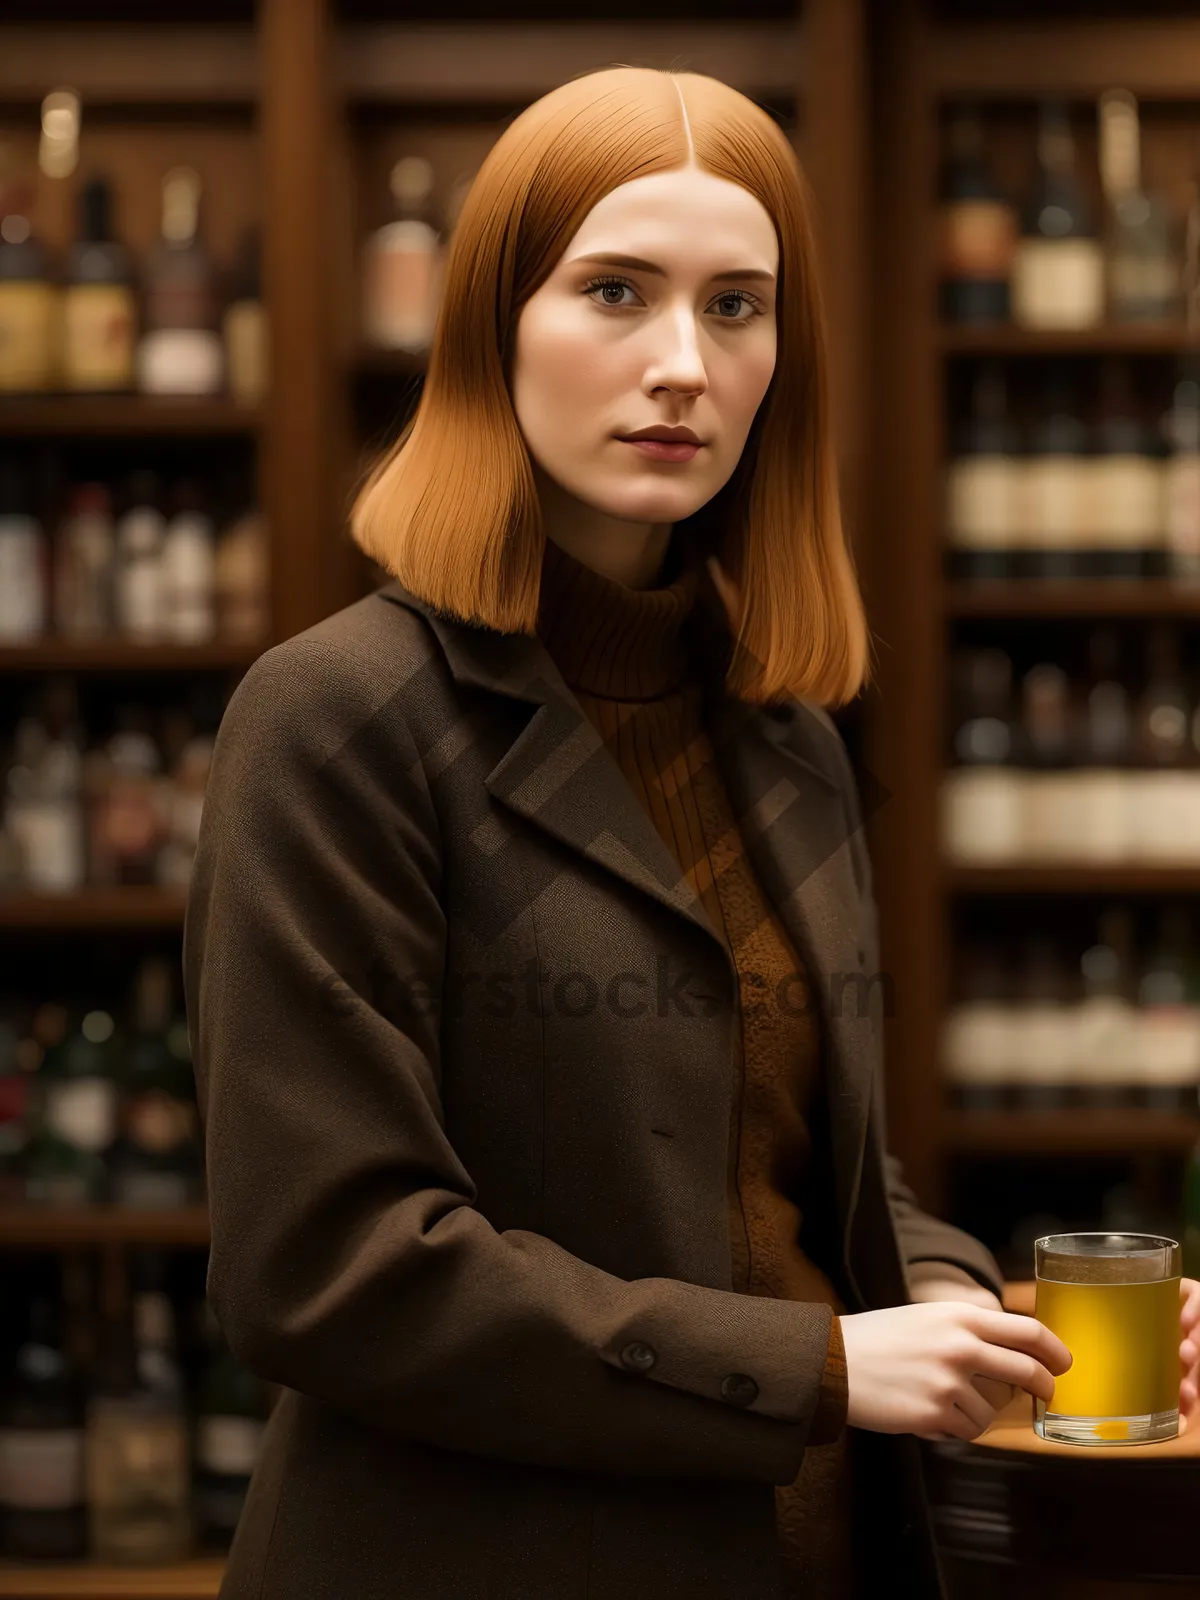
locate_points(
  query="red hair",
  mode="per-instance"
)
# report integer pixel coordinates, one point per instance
(451, 509)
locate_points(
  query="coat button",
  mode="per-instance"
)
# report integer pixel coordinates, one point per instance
(638, 1357)
(739, 1389)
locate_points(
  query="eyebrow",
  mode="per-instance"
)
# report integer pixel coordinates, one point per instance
(608, 258)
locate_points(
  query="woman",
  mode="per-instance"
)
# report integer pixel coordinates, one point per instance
(531, 950)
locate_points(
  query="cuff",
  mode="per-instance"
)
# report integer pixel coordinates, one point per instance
(829, 1418)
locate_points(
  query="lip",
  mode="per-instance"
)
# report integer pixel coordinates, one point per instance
(669, 435)
(665, 449)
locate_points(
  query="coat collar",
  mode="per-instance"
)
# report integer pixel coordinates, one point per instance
(778, 765)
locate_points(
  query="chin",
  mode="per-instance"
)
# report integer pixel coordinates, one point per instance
(650, 503)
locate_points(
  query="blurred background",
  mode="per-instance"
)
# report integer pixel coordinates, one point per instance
(220, 240)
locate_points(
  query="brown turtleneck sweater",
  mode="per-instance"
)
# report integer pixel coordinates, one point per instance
(625, 654)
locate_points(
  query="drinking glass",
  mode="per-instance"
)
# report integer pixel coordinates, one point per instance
(1113, 1299)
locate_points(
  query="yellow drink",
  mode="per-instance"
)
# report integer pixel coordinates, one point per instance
(1124, 1338)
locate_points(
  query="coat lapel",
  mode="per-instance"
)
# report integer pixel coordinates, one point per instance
(559, 776)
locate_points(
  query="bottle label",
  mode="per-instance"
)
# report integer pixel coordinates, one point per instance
(157, 1121)
(1053, 501)
(41, 1469)
(1168, 1045)
(83, 1112)
(1125, 506)
(98, 324)
(229, 1445)
(981, 814)
(30, 331)
(1183, 507)
(978, 240)
(1058, 283)
(981, 503)
(181, 361)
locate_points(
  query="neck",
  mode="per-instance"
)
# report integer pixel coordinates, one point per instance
(631, 553)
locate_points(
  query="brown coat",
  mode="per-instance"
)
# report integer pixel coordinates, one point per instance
(463, 1049)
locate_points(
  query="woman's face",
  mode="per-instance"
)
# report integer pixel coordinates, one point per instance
(680, 333)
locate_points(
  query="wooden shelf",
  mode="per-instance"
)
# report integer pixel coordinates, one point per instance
(61, 1227)
(120, 415)
(1002, 339)
(122, 907)
(119, 655)
(1148, 597)
(1118, 879)
(373, 363)
(199, 1579)
(515, 62)
(1071, 1131)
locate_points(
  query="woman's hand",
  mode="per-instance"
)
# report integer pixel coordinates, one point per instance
(997, 1394)
(1189, 1349)
(917, 1368)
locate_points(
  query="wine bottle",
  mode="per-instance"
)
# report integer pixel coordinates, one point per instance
(978, 228)
(982, 794)
(181, 351)
(99, 311)
(983, 505)
(1058, 269)
(1143, 264)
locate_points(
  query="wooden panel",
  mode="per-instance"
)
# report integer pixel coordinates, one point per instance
(515, 62)
(134, 906)
(1120, 878)
(1142, 598)
(129, 65)
(1019, 59)
(63, 1227)
(1078, 1132)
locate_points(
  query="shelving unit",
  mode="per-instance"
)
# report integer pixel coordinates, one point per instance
(922, 62)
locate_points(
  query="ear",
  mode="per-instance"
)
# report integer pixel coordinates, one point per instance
(731, 597)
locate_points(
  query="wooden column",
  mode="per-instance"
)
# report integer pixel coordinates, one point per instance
(296, 49)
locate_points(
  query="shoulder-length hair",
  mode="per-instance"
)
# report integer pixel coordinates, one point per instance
(451, 509)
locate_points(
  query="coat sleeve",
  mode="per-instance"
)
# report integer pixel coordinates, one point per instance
(922, 1237)
(348, 1259)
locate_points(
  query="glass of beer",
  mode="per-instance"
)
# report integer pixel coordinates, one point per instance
(1113, 1299)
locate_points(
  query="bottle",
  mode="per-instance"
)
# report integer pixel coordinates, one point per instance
(231, 1413)
(85, 556)
(1106, 1036)
(1181, 474)
(245, 325)
(1164, 782)
(30, 301)
(1056, 504)
(44, 809)
(1168, 1053)
(403, 265)
(127, 812)
(1143, 269)
(1103, 822)
(181, 351)
(24, 559)
(978, 228)
(1043, 1028)
(1047, 749)
(99, 311)
(43, 1514)
(242, 575)
(1058, 268)
(137, 1447)
(977, 1040)
(137, 582)
(982, 795)
(189, 569)
(155, 1163)
(983, 481)
(76, 1093)
(1126, 484)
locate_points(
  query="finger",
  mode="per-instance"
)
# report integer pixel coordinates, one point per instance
(1187, 1394)
(975, 1408)
(1019, 1332)
(1189, 1290)
(997, 1394)
(1013, 1367)
(1189, 1352)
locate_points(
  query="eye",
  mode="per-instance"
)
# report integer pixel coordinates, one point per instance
(736, 296)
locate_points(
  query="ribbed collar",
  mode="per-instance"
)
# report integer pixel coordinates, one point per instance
(610, 640)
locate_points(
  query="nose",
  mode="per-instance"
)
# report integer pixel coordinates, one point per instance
(678, 363)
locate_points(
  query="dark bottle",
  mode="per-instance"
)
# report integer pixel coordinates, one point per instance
(1125, 522)
(1169, 1017)
(1048, 748)
(14, 1115)
(181, 350)
(978, 228)
(76, 1092)
(30, 300)
(1045, 1025)
(1058, 269)
(1056, 476)
(1106, 754)
(156, 1162)
(983, 503)
(99, 310)
(1107, 1037)
(231, 1413)
(43, 1511)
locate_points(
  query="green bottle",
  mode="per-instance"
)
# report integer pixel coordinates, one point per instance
(76, 1091)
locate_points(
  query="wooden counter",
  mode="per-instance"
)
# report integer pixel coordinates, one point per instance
(1021, 1517)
